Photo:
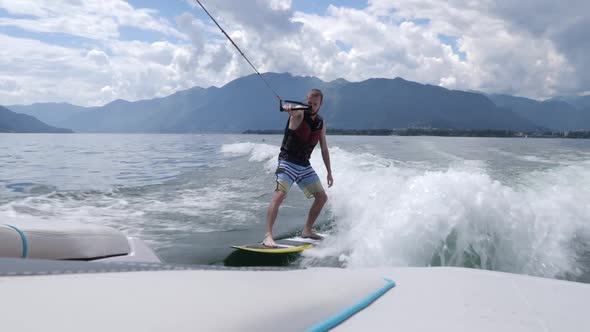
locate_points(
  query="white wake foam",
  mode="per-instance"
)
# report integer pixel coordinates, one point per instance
(388, 213)
(158, 215)
(256, 151)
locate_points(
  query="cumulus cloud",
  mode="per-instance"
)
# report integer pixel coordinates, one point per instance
(499, 46)
(491, 45)
(566, 25)
(511, 47)
(9, 87)
(49, 72)
(93, 19)
(264, 18)
(98, 57)
(192, 27)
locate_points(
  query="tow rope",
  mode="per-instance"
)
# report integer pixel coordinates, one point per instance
(299, 105)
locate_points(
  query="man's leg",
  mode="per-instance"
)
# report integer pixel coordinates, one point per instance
(320, 199)
(284, 182)
(312, 187)
(271, 215)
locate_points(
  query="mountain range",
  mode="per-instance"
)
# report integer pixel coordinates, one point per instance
(378, 103)
(12, 122)
(561, 113)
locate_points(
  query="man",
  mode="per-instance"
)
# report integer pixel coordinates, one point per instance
(303, 131)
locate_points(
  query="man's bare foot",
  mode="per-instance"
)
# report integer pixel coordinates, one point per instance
(311, 235)
(269, 242)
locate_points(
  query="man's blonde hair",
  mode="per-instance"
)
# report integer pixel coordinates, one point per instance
(316, 92)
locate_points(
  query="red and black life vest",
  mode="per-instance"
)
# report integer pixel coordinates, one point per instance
(299, 143)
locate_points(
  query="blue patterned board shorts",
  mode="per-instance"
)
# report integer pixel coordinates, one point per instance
(305, 177)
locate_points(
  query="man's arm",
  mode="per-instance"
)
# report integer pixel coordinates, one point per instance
(296, 117)
(326, 155)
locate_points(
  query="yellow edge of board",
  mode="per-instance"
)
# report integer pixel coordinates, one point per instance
(276, 250)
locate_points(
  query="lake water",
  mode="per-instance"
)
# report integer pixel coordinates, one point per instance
(506, 204)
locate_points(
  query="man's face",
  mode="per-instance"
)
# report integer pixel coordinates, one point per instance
(315, 100)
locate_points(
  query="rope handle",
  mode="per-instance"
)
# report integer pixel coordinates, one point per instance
(300, 106)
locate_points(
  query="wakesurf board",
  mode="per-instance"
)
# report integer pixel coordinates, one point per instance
(284, 246)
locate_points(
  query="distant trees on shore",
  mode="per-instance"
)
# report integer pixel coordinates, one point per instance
(442, 132)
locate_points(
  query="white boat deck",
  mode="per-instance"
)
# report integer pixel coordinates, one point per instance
(459, 299)
(425, 299)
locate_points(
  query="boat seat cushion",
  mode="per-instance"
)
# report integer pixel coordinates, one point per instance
(61, 241)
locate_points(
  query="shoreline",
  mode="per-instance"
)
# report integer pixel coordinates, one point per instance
(582, 134)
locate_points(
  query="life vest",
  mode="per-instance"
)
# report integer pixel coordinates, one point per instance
(299, 143)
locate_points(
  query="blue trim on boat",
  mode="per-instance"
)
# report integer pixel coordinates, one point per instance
(23, 237)
(337, 319)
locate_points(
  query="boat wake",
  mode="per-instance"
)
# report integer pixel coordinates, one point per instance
(389, 213)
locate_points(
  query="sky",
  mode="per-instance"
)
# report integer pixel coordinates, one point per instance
(91, 52)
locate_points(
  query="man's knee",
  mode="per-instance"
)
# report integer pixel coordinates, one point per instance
(278, 197)
(321, 197)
